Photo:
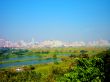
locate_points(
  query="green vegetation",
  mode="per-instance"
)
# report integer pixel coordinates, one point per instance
(82, 64)
(9, 52)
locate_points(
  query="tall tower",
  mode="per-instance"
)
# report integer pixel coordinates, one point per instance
(33, 41)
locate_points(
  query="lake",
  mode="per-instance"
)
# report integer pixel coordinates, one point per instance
(30, 61)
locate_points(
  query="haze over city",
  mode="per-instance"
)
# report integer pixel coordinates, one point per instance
(54, 40)
(66, 20)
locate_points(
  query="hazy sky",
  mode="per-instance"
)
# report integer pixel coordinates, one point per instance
(68, 20)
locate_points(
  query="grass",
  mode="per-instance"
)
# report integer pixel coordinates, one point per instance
(53, 71)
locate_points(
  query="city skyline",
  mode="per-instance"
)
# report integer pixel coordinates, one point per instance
(51, 43)
(65, 20)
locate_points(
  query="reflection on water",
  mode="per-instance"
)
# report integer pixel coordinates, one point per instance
(31, 62)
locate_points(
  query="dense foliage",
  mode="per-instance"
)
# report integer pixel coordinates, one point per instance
(87, 70)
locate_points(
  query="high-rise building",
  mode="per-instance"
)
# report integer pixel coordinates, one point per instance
(33, 41)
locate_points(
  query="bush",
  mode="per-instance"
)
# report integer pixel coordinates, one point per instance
(58, 70)
(25, 76)
(32, 67)
(86, 70)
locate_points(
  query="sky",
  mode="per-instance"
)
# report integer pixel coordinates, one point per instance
(66, 20)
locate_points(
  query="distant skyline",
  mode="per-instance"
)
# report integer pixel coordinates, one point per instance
(66, 20)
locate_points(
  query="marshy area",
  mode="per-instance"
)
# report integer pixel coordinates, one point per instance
(81, 64)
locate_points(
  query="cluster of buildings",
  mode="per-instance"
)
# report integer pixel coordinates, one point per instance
(50, 44)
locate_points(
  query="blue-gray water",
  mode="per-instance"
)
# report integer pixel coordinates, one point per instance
(30, 62)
